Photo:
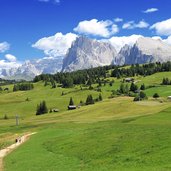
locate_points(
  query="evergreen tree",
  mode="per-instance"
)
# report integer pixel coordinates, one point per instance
(38, 112)
(122, 89)
(126, 89)
(53, 84)
(42, 108)
(100, 97)
(143, 95)
(46, 83)
(166, 81)
(142, 87)
(89, 100)
(111, 83)
(89, 82)
(71, 102)
(133, 87)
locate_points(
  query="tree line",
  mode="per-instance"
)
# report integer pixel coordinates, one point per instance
(23, 87)
(143, 70)
(95, 75)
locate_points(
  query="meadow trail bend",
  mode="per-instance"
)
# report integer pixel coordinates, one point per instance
(4, 152)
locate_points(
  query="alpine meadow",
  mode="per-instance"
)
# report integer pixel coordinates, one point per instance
(85, 86)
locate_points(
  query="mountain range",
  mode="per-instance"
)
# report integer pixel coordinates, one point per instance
(87, 53)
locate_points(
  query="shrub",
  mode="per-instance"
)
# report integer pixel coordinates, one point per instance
(156, 95)
(6, 117)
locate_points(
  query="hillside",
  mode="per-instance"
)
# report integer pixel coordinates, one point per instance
(105, 136)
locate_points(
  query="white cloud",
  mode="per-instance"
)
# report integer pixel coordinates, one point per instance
(162, 28)
(8, 65)
(128, 25)
(142, 24)
(56, 45)
(117, 20)
(97, 28)
(10, 58)
(119, 42)
(150, 10)
(114, 29)
(4, 46)
(133, 25)
(9, 62)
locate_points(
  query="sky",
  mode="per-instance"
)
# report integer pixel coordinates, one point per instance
(34, 29)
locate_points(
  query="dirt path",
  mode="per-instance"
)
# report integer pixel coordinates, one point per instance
(9, 149)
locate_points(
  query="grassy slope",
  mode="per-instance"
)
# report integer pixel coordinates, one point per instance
(115, 134)
(139, 143)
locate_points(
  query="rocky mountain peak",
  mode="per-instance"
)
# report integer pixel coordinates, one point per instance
(87, 53)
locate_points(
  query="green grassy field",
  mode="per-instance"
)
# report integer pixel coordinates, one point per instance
(136, 143)
(115, 134)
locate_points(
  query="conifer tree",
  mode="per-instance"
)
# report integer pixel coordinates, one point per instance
(71, 102)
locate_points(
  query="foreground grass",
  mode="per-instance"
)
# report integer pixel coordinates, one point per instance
(139, 143)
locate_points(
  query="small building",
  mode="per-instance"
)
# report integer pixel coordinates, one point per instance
(72, 107)
(55, 110)
(169, 97)
(128, 80)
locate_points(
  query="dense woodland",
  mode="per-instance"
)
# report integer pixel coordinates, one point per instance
(98, 75)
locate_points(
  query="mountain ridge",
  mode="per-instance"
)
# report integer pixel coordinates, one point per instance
(87, 53)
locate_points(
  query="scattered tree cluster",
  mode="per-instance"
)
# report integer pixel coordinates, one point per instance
(166, 81)
(23, 87)
(42, 108)
(89, 100)
(141, 96)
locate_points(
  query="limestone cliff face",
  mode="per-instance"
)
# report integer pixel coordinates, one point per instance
(87, 53)
(145, 50)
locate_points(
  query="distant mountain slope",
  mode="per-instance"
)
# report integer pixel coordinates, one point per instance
(88, 53)
(145, 50)
(30, 69)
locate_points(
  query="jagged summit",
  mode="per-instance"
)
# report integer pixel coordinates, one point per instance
(145, 50)
(87, 53)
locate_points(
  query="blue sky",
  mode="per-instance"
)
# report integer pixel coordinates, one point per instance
(24, 22)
